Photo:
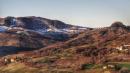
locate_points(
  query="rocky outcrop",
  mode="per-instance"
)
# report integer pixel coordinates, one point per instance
(118, 24)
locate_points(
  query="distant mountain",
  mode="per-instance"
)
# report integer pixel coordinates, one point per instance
(43, 26)
(36, 23)
(33, 32)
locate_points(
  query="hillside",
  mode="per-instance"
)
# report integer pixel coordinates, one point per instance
(30, 33)
(97, 46)
(53, 46)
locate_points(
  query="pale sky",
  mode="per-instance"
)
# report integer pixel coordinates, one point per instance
(89, 13)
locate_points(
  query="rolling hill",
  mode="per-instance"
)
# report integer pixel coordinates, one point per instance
(52, 46)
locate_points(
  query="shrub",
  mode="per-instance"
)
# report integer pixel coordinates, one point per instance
(124, 70)
(117, 67)
(87, 66)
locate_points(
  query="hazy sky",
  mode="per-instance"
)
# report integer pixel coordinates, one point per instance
(90, 13)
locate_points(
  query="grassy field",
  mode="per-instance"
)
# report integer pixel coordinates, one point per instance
(21, 68)
(87, 68)
(123, 64)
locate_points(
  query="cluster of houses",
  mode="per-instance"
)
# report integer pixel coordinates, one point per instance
(109, 66)
(123, 48)
(8, 60)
